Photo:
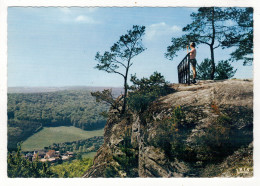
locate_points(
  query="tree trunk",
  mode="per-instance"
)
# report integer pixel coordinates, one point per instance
(125, 83)
(125, 93)
(212, 44)
(125, 87)
(212, 63)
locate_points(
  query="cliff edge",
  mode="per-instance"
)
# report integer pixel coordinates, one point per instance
(203, 130)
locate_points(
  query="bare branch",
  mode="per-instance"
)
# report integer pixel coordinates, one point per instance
(216, 46)
(116, 61)
(117, 72)
(203, 42)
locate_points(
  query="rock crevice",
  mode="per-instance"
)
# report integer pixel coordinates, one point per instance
(212, 110)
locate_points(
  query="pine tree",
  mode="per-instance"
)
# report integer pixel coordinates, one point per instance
(211, 26)
(120, 56)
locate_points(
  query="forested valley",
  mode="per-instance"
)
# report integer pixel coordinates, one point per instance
(30, 112)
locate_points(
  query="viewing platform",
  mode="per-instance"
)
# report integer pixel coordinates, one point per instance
(184, 70)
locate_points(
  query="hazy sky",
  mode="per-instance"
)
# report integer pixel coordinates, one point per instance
(56, 46)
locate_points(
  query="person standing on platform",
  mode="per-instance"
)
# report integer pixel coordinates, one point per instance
(193, 60)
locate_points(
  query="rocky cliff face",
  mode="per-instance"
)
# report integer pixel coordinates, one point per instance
(202, 130)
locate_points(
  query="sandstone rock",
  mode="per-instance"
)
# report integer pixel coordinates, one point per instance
(203, 106)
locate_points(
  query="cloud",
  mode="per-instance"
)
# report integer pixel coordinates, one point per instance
(68, 10)
(175, 29)
(84, 19)
(65, 10)
(78, 19)
(77, 15)
(161, 29)
(92, 9)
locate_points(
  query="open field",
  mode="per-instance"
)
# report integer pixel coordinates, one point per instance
(89, 155)
(49, 135)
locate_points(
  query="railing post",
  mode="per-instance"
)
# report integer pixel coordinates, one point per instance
(184, 70)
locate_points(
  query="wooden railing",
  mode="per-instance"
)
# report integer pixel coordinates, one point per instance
(184, 70)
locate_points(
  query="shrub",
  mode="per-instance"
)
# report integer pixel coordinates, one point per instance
(18, 166)
(111, 172)
(170, 134)
(204, 69)
(214, 142)
(146, 90)
(127, 160)
(73, 169)
(224, 70)
(208, 145)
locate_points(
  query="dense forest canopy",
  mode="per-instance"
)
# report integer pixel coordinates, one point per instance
(28, 113)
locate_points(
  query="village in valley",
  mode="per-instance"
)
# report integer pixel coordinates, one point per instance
(60, 152)
(49, 156)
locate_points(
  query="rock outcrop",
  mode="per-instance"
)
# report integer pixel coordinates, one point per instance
(194, 132)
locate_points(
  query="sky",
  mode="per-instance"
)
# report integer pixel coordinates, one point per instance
(56, 46)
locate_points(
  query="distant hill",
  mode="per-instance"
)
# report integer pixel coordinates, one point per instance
(116, 90)
(30, 109)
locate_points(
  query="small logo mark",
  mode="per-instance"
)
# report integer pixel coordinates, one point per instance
(243, 170)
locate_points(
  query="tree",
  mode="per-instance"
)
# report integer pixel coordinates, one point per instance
(18, 166)
(121, 54)
(240, 34)
(146, 90)
(211, 26)
(203, 30)
(224, 70)
(203, 69)
(107, 97)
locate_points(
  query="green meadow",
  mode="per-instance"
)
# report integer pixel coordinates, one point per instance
(49, 135)
(89, 155)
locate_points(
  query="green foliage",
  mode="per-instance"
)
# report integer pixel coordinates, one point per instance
(73, 169)
(208, 145)
(215, 143)
(28, 113)
(106, 97)
(224, 70)
(120, 55)
(19, 131)
(218, 133)
(21, 167)
(177, 45)
(170, 134)
(128, 46)
(221, 137)
(80, 146)
(59, 135)
(242, 158)
(206, 28)
(146, 90)
(111, 172)
(79, 156)
(203, 69)
(127, 159)
(240, 34)
(211, 26)
(71, 107)
(178, 118)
